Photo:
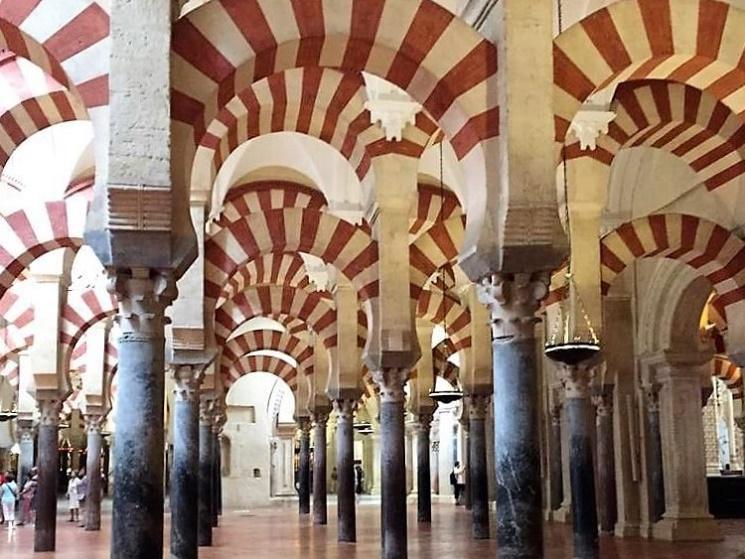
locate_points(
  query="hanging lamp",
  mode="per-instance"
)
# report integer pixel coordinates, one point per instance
(443, 396)
(362, 425)
(568, 344)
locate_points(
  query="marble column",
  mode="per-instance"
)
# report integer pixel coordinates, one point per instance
(346, 513)
(578, 407)
(686, 516)
(304, 471)
(557, 484)
(320, 504)
(48, 463)
(93, 426)
(137, 522)
(25, 434)
(606, 463)
(184, 489)
(392, 462)
(423, 472)
(477, 408)
(466, 427)
(513, 301)
(204, 508)
(216, 477)
(654, 454)
(218, 472)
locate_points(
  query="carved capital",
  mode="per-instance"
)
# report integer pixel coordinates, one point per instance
(320, 418)
(555, 413)
(478, 406)
(391, 383)
(424, 421)
(143, 296)
(345, 408)
(206, 411)
(513, 300)
(25, 431)
(187, 379)
(304, 424)
(652, 397)
(603, 402)
(576, 379)
(49, 411)
(94, 423)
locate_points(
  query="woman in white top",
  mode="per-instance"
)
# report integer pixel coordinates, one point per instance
(8, 497)
(73, 495)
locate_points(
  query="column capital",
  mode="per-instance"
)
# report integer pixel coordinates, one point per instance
(513, 300)
(206, 410)
(555, 413)
(304, 424)
(25, 430)
(187, 379)
(345, 408)
(143, 295)
(576, 379)
(652, 397)
(478, 406)
(94, 423)
(424, 420)
(320, 416)
(49, 411)
(603, 402)
(391, 383)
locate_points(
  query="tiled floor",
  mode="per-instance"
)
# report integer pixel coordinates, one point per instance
(279, 533)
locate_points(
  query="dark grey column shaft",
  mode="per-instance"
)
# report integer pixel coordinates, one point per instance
(48, 463)
(137, 523)
(477, 465)
(393, 469)
(185, 466)
(584, 507)
(467, 496)
(215, 475)
(654, 456)
(423, 474)
(555, 467)
(304, 473)
(204, 532)
(93, 471)
(606, 463)
(516, 449)
(320, 505)
(346, 513)
(218, 475)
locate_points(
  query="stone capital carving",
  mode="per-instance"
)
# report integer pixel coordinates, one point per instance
(94, 423)
(652, 397)
(391, 383)
(589, 125)
(143, 296)
(25, 431)
(304, 425)
(603, 402)
(320, 417)
(478, 406)
(576, 379)
(49, 411)
(187, 379)
(513, 300)
(424, 421)
(555, 413)
(345, 408)
(206, 411)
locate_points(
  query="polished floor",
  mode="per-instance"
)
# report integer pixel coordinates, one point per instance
(278, 532)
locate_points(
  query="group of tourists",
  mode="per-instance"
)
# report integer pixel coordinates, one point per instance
(15, 495)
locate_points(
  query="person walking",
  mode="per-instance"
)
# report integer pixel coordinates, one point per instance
(82, 495)
(458, 481)
(8, 498)
(27, 498)
(73, 495)
(359, 481)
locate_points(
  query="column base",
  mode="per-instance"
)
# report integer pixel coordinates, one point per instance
(563, 514)
(687, 530)
(626, 530)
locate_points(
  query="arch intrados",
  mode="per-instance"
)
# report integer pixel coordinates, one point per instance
(261, 364)
(285, 342)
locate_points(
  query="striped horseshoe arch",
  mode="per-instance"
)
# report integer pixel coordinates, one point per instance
(261, 364)
(729, 373)
(322, 103)
(434, 249)
(433, 207)
(264, 196)
(257, 340)
(36, 230)
(437, 309)
(268, 269)
(10, 371)
(71, 45)
(222, 47)
(698, 42)
(18, 330)
(679, 119)
(333, 240)
(82, 310)
(707, 247)
(266, 300)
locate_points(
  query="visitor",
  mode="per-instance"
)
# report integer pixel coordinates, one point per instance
(28, 493)
(359, 480)
(458, 481)
(334, 477)
(8, 498)
(82, 494)
(73, 495)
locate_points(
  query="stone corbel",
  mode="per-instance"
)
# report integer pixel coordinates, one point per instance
(589, 125)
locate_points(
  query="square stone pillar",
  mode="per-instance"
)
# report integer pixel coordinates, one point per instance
(686, 515)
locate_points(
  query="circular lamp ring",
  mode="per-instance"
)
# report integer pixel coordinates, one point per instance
(362, 425)
(446, 396)
(572, 353)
